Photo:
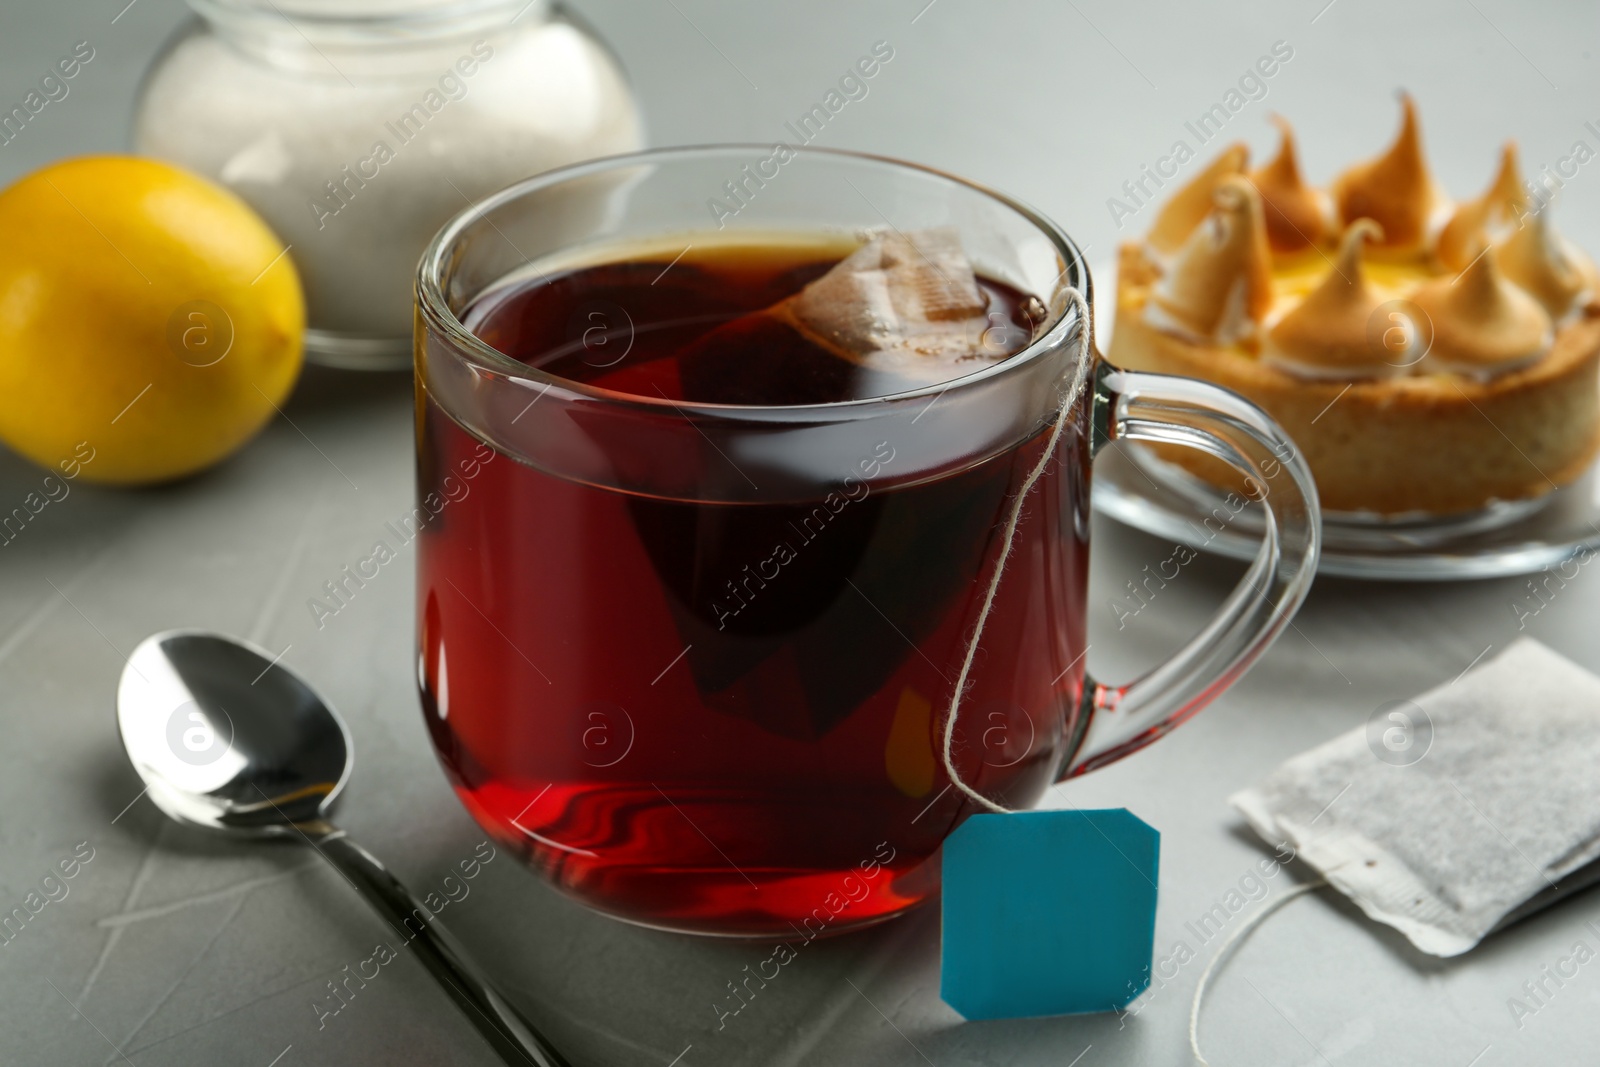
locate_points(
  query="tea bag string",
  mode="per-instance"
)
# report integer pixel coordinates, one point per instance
(1072, 383)
(1237, 935)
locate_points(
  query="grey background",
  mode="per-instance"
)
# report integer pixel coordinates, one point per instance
(178, 950)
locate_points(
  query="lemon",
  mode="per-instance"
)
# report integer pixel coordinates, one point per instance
(149, 320)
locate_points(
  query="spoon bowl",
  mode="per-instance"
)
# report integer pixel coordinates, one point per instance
(228, 739)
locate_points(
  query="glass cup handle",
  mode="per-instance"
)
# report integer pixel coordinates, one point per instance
(1134, 406)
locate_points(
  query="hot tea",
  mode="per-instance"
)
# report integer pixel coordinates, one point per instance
(644, 691)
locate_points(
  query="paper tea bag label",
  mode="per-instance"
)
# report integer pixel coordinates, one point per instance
(1048, 913)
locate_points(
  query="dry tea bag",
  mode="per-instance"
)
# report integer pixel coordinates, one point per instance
(1456, 813)
(902, 311)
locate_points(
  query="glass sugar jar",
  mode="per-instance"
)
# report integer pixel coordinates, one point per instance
(358, 127)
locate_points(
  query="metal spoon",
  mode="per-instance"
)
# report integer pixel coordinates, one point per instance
(227, 739)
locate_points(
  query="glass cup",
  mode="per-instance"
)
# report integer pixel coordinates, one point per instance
(680, 724)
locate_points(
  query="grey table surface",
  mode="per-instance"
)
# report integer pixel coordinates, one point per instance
(174, 949)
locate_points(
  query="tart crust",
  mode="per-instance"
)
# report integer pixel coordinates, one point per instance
(1434, 443)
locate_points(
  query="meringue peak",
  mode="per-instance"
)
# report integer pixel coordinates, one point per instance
(1330, 334)
(1296, 214)
(1219, 285)
(1538, 260)
(1506, 191)
(1358, 233)
(1501, 204)
(1192, 203)
(1481, 324)
(1395, 189)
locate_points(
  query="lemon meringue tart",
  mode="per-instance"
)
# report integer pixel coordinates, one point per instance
(1426, 356)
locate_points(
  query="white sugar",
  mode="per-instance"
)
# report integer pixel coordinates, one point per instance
(356, 155)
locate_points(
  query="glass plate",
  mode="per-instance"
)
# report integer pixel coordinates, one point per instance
(1135, 487)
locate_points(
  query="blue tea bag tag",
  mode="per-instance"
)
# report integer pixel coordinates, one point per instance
(1048, 913)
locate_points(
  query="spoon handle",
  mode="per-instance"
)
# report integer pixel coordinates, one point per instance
(512, 1036)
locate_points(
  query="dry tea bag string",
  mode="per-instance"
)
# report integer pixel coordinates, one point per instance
(1069, 396)
(1238, 934)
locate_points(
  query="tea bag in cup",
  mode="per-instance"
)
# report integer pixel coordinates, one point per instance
(902, 311)
(1450, 815)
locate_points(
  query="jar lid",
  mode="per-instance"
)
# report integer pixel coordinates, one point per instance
(389, 15)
